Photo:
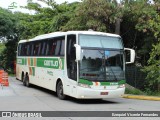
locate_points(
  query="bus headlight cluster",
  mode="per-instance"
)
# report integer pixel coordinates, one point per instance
(84, 85)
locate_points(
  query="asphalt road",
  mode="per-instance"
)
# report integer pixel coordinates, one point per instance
(17, 97)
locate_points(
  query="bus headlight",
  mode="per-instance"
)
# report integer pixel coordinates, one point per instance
(121, 86)
(84, 85)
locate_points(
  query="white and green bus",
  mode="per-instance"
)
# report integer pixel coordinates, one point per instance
(80, 64)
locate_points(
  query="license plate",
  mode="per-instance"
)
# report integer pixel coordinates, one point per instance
(104, 93)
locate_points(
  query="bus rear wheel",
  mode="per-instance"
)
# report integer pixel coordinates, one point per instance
(23, 80)
(60, 92)
(26, 81)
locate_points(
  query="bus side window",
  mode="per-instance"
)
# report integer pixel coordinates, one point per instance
(24, 49)
(32, 48)
(28, 49)
(47, 48)
(43, 48)
(53, 47)
(39, 48)
(62, 47)
(57, 50)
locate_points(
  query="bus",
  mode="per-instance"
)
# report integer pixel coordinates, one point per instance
(79, 64)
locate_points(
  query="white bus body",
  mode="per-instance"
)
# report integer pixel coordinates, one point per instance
(80, 64)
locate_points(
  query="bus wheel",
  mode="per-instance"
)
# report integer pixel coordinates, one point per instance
(23, 80)
(59, 89)
(22, 77)
(27, 81)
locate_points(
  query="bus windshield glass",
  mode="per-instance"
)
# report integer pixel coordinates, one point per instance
(100, 41)
(102, 58)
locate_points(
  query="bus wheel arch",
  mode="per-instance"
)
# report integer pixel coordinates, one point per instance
(60, 90)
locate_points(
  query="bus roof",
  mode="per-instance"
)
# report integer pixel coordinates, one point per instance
(56, 34)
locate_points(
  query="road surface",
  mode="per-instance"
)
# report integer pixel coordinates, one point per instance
(17, 97)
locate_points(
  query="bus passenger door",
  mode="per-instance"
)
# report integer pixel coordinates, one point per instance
(71, 65)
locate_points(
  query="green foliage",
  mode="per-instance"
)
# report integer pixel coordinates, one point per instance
(99, 15)
(8, 30)
(133, 91)
(135, 29)
(2, 47)
(8, 55)
(153, 69)
(7, 23)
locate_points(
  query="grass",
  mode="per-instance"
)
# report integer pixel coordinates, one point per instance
(131, 90)
(134, 91)
(153, 93)
(157, 94)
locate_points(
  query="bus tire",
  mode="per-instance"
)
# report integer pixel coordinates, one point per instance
(23, 80)
(27, 81)
(59, 90)
(22, 77)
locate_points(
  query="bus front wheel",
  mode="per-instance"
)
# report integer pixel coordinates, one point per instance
(59, 90)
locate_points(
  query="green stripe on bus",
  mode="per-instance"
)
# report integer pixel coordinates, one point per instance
(21, 61)
(121, 82)
(55, 63)
(113, 83)
(25, 61)
(50, 63)
(31, 61)
(83, 81)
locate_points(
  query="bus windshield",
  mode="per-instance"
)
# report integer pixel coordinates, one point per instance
(100, 41)
(102, 58)
(102, 65)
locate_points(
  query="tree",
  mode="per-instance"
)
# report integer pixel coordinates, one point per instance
(99, 15)
(135, 31)
(7, 23)
(8, 30)
(153, 67)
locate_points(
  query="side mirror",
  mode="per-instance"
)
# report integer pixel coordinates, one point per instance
(132, 55)
(78, 52)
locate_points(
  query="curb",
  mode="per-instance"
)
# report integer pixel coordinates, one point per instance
(140, 97)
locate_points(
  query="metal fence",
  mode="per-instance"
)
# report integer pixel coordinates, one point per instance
(135, 77)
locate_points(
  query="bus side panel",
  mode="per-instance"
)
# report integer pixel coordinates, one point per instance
(21, 67)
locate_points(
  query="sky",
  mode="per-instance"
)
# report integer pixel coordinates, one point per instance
(19, 3)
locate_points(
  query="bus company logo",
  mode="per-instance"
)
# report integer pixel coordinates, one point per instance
(51, 63)
(6, 114)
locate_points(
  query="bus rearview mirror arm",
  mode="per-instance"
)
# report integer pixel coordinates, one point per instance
(132, 55)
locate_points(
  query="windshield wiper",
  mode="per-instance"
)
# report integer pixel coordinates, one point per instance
(110, 67)
(112, 70)
(103, 64)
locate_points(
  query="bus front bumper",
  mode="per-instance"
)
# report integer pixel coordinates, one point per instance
(88, 93)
